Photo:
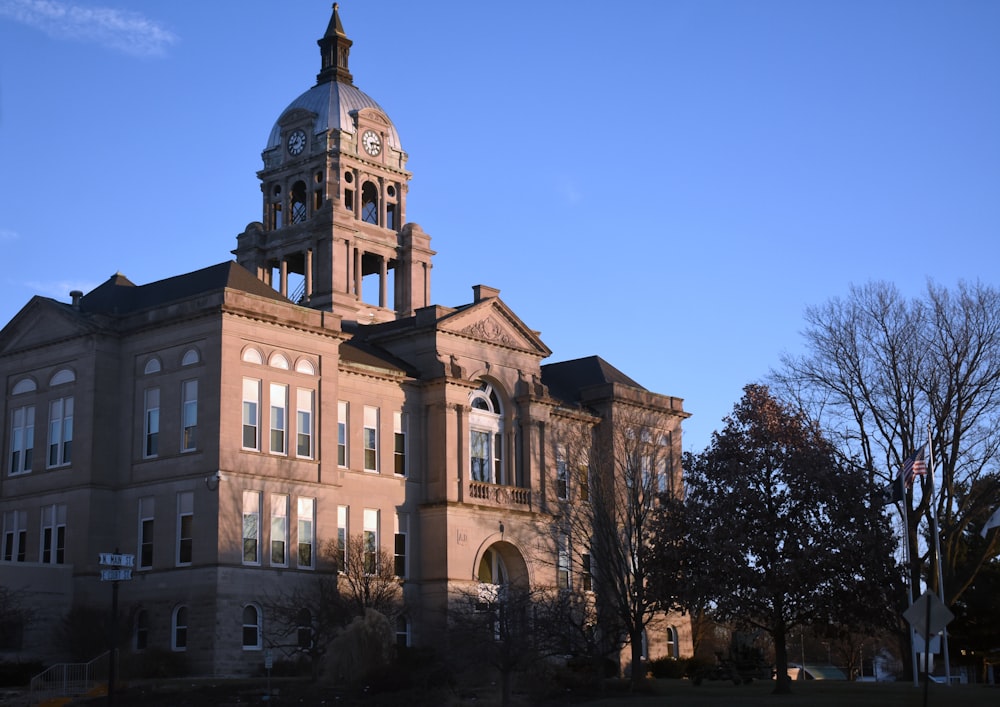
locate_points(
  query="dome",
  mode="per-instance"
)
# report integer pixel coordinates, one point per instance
(333, 102)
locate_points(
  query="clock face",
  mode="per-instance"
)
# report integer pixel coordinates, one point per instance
(371, 142)
(296, 142)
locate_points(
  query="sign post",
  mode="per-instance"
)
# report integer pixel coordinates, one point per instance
(120, 569)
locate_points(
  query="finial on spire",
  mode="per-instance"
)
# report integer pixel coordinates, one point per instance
(335, 48)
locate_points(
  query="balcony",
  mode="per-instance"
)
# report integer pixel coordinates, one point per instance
(498, 495)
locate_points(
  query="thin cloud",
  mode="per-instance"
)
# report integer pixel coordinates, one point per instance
(6, 235)
(123, 31)
(60, 289)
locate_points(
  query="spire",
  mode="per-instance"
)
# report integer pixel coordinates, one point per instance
(334, 48)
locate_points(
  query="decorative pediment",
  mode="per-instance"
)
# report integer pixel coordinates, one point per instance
(494, 323)
(40, 322)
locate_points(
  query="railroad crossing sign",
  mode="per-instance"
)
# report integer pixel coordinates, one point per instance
(120, 566)
(928, 605)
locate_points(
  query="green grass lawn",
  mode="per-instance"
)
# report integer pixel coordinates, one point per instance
(812, 693)
(659, 693)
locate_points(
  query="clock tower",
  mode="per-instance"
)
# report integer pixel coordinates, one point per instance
(334, 234)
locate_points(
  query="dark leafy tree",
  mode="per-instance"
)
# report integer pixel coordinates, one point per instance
(780, 533)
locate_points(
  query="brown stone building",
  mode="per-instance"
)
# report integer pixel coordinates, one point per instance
(223, 425)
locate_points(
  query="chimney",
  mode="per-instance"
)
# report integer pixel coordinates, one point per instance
(75, 296)
(481, 292)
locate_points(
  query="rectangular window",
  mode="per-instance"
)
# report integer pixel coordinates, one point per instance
(15, 536)
(583, 477)
(279, 530)
(304, 423)
(562, 564)
(480, 455)
(370, 538)
(562, 473)
(586, 576)
(22, 439)
(147, 508)
(60, 431)
(646, 464)
(279, 418)
(665, 465)
(53, 549)
(400, 544)
(342, 516)
(341, 433)
(251, 413)
(399, 443)
(189, 415)
(371, 438)
(151, 423)
(306, 517)
(185, 527)
(251, 527)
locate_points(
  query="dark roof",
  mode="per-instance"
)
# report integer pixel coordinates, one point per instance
(364, 353)
(119, 295)
(566, 379)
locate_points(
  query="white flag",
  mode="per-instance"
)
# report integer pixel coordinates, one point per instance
(993, 522)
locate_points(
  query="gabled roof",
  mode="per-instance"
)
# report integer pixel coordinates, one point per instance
(566, 379)
(119, 295)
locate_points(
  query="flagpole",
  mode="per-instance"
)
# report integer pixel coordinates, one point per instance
(937, 548)
(909, 578)
(909, 581)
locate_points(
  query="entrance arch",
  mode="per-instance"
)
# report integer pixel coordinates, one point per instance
(502, 564)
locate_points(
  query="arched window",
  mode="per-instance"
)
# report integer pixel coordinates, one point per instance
(152, 366)
(305, 366)
(63, 375)
(252, 355)
(369, 203)
(251, 628)
(190, 357)
(298, 204)
(25, 385)
(178, 628)
(672, 646)
(492, 569)
(279, 361)
(486, 436)
(276, 208)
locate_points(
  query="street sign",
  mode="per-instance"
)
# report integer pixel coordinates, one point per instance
(113, 559)
(115, 575)
(917, 614)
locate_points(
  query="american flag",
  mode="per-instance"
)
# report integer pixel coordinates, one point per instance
(913, 466)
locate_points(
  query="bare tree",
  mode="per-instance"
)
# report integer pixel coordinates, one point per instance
(880, 370)
(631, 462)
(368, 578)
(309, 616)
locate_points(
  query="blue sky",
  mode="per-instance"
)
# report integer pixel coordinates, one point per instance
(665, 184)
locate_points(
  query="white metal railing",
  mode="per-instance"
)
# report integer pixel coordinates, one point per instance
(69, 679)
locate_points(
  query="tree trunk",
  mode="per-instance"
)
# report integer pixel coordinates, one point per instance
(638, 669)
(782, 683)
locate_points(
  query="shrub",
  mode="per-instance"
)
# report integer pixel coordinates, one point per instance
(17, 674)
(670, 668)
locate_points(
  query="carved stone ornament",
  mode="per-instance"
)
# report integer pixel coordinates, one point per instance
(490, 330)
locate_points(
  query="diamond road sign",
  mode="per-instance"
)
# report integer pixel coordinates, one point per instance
(940, 615)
